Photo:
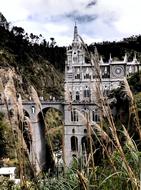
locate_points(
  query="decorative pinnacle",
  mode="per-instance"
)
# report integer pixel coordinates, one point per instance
(110, 59)
(101, 59)
(125, 58)
(135, 57)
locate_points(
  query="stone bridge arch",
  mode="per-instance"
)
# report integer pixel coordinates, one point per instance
(38, 153)
(42, 146)
(32, 111)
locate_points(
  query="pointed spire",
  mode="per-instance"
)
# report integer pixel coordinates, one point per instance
(101, 60)
(110, 58)
(75, 37)
(125, 58)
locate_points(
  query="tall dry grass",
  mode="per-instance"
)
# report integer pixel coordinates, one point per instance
(110, 135)
(13, 102)
(105, 132)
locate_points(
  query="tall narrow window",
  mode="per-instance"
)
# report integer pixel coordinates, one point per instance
(74, 115)
(74, 143)
(85, 143)
(77, 96)
(77, 76)
(95, 116)
(86, 92)
(70, 96)
(33, 109)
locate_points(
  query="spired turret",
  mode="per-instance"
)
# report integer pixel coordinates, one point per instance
(75, 36)
(75, 55)
(76, 43)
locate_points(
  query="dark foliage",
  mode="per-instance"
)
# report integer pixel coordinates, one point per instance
(24, 48)
(118, 49)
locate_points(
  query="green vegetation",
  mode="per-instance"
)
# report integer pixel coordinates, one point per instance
(112, 157)
(54, 125)
(6, 140)
(32, 58)
(118, 49)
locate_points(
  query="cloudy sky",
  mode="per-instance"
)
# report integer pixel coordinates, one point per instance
(97, 20)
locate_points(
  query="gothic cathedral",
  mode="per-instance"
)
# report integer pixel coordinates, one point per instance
(80, 105)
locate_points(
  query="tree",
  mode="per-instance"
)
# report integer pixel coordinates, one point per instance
(52, 44)
(3, 21)
(18, 31)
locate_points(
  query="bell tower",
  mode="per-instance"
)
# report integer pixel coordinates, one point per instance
(79, 105)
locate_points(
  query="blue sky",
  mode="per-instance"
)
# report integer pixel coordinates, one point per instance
(97, 20)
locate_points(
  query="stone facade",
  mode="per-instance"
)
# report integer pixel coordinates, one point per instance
(80, 102)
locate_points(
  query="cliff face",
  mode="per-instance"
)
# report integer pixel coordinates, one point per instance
(37, 64)
(28, 62)
(47, 80)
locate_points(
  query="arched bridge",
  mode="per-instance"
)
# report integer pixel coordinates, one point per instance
(37, 150)
(33, 109)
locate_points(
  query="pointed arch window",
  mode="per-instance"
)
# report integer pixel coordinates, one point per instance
(74, 115)
(86, 92)
(74, 143)
(75, 57)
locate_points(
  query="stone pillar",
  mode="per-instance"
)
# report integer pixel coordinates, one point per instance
(67, 150)
(38, 147)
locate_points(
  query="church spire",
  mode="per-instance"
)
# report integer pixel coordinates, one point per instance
(75, 37)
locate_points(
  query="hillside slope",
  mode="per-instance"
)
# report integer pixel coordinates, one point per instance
(38, 64)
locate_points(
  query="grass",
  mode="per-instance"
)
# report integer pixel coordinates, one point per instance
(119, 167)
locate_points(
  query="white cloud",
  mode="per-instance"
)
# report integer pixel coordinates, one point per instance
(53, 18)
(129, 22)
(12, 10)
(127, 15)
